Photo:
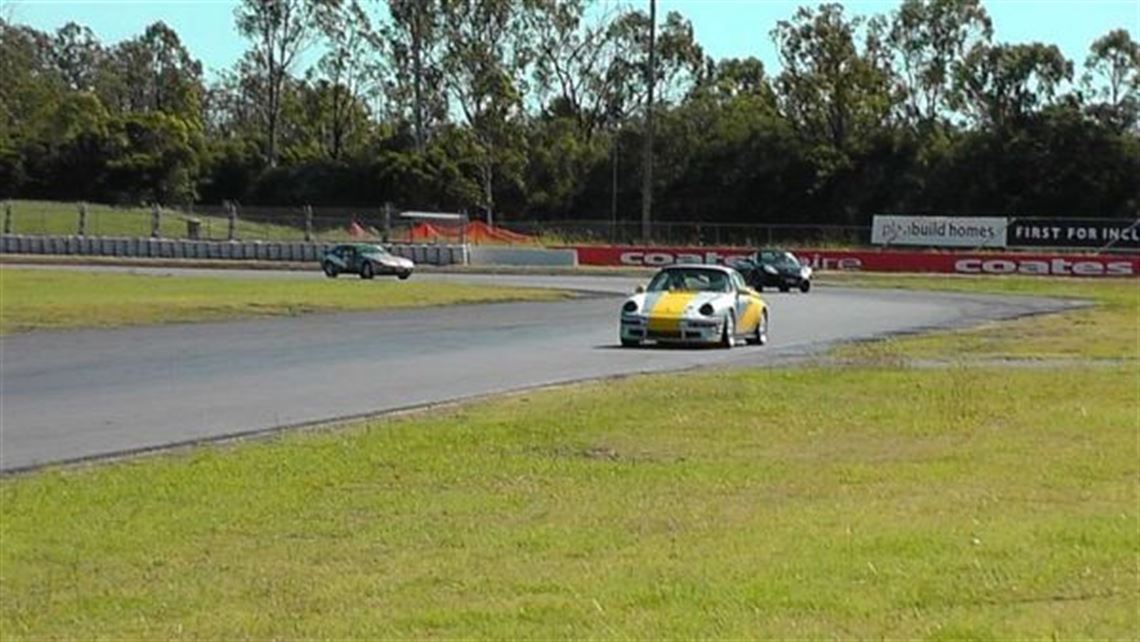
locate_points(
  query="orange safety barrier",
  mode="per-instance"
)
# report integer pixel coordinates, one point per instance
(476, 232)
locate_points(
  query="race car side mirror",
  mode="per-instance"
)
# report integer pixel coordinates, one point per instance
(639, 289)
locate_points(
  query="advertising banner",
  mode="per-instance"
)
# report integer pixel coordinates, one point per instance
(939, 231)
(879, 261)
(1075, 233)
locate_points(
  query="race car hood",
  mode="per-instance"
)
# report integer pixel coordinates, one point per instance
(665, 309)
(678, 304)
(391, 261)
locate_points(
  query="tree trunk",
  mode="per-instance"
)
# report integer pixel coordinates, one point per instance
(417, 71)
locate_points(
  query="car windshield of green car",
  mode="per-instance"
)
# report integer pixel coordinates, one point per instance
(689, 280)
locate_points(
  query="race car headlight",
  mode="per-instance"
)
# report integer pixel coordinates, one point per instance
(630, 307)
(769, 269)
(805, 272)
(706, 310)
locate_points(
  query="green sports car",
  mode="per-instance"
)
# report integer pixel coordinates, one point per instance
(365, 259)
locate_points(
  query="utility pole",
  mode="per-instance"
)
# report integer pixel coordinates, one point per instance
(647, 162)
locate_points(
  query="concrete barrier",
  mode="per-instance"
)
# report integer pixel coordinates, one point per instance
(511, 255)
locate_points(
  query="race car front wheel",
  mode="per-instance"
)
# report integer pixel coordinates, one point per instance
(729, 335)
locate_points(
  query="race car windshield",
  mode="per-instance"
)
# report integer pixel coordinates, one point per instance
(689, 281)
(779, 258)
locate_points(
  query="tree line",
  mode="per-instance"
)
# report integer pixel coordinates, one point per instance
(535, 109)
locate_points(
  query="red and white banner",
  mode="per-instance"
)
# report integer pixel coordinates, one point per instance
(1054, 264)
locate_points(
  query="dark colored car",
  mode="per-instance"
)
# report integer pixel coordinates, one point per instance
(364, 259)
(775, 268)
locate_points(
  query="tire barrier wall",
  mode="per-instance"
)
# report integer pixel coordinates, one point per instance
(224, 250)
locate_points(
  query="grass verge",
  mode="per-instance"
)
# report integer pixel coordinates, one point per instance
(57, 218)
(56, 299)
(957, 503)
(1109, 329)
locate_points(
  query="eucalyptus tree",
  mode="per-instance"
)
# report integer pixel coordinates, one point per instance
(278, 31)
(153, 72)
(343, 73)
(413, 41)
(487, 53)
(232, 103)
(1001, 85)
(930, 39)
(77, 54)
(830, 89)
(680, 60)
(30, 90)
(572, 57)
(32, 82)
(1112, 74)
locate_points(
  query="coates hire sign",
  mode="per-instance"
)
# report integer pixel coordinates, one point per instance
(1118, 234)
(878, 261)
(939, 231)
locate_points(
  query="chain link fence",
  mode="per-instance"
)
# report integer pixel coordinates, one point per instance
(232, 221)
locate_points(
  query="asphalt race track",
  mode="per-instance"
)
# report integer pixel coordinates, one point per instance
(90, 393)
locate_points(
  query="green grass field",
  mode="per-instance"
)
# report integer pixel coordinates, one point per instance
(57, 299)
(1109, 330)
(51, 217)
(965, 502)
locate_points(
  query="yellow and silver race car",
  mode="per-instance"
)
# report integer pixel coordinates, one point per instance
(708, 304)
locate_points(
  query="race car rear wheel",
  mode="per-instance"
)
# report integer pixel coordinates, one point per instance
(330, 269)
(729, 336)
(403, 275)
(366, 270)
(760, 337)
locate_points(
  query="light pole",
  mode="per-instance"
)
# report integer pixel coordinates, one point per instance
(647, 162)
(614, 187)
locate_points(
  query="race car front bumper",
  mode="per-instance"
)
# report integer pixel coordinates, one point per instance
(693, 331)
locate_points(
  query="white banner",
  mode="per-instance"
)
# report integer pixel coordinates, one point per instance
(940, 231)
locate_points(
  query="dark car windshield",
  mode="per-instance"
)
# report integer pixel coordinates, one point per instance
(778, 259)
(692, 280)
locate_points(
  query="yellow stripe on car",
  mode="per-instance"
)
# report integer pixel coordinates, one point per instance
(669, 310)
(751, 315)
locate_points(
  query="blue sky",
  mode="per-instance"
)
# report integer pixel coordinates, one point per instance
(725, 28)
